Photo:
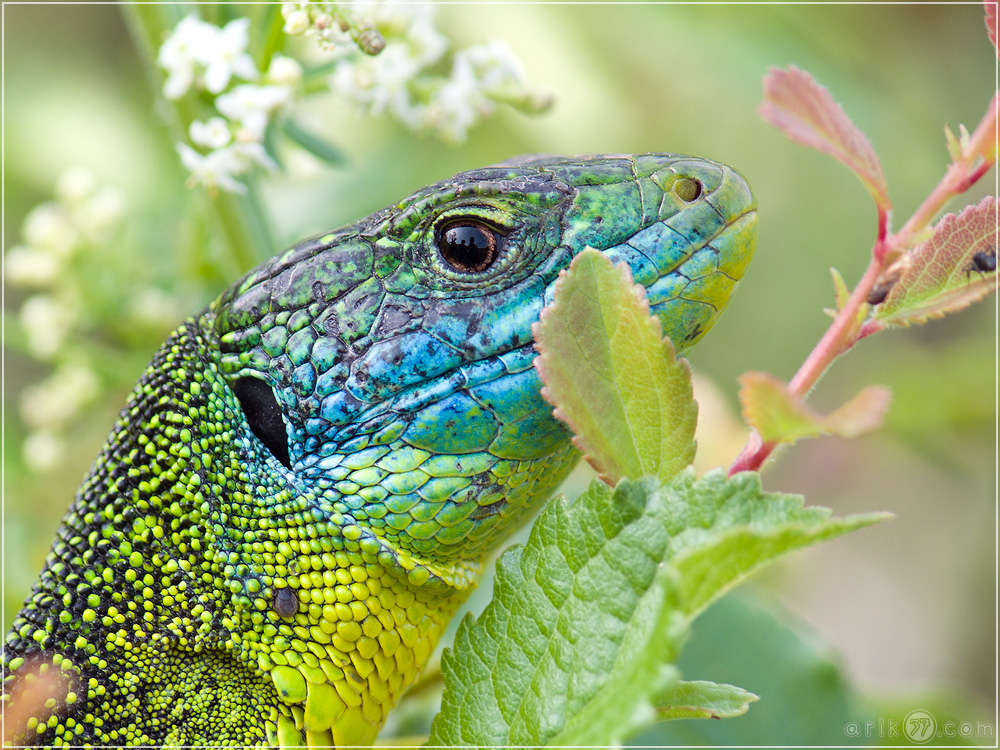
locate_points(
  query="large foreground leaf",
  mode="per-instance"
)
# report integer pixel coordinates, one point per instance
(577, 645)
(806, 698)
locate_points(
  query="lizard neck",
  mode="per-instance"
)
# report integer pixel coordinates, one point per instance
(187, 538)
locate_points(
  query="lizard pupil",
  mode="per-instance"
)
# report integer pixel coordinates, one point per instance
(468, 247)
(263, 416)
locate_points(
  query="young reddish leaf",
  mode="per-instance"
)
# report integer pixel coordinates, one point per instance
(947, 272)
(781, 418)
(991, 23)
(769, 407)
(612, 376)
(863, 413)
(805, 112)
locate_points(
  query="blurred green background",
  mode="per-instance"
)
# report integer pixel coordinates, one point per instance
(909, 605)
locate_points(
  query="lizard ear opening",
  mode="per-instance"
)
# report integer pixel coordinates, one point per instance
(263, 415)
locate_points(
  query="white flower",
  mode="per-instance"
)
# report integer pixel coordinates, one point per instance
(296, 21)
(284, 71)
(219, 168)
(180, 52)
(381, 83)
(453, 110)
(251, 106)
(198, 47)
(216, 169)
(48, 226)
(226, 55)
(250, 154)
(428, 44)
(30, 266)
(56, 400)
(46, 321)
(42, 450)
(75, 184)
(494, 66)
(101, 213)
(212, 134)
(155, 307)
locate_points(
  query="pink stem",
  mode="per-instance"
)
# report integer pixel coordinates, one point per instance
(839, 337)
(844, 332)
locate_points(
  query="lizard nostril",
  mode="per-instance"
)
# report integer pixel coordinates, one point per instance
(688, 189)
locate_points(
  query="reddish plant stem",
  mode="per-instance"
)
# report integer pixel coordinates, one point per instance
(753, 455)
(956, 181)
(839, 337)
(845, 331)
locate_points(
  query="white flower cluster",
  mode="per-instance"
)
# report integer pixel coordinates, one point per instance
(208, 58)
(332, 25)
(82, 216)
(480, 76)
(402, 80)
(54, 234)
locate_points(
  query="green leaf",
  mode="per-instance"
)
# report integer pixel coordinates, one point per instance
(318, 147)
(780, 417)
(267, 33)
(613, 376)
(587, 618)
(940, 275)
(840, 290)
(703, 700)
(954, 145)
(749, 639)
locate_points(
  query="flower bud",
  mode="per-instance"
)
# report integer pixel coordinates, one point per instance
(296, 22)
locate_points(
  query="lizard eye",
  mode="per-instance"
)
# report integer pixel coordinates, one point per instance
(263, 415)
(468, 246)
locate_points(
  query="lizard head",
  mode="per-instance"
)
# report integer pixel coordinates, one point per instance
(387, 366)
(307, 478)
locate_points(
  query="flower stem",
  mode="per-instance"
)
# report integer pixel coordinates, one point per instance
(241, 218)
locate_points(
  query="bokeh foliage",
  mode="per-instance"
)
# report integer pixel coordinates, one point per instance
(910, 603)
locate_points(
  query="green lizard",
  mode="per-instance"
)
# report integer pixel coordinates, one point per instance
(306, 480)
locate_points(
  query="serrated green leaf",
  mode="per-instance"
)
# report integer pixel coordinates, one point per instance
(318, 147)
(612, 375)
(941, 275)
(587, 618)
(701, 699)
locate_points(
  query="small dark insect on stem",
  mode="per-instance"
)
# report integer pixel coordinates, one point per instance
(879, 292)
